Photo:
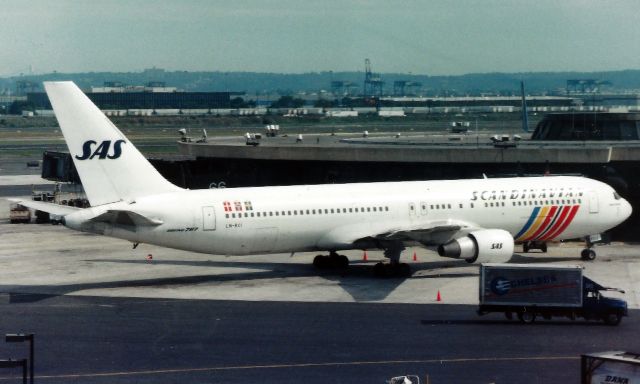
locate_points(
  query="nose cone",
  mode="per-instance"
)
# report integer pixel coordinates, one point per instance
(625, 210)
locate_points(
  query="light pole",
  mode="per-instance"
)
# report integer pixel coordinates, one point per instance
(16, 363)
(20, 338)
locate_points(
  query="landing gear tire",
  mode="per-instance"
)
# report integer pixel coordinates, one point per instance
(392, 270)
(379, 270)
(333, 261)
(588, 254)
(526, 317)
(543, 248)
(525, 247)
(320, 261)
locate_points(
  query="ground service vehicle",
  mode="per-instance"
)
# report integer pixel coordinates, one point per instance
(19, 214)
(610, 367)
(531, 290)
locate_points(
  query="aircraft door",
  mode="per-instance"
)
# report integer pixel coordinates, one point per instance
(208, 219)
(412, 209)
(593, 202)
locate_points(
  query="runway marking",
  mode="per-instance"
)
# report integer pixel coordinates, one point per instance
(298, 365)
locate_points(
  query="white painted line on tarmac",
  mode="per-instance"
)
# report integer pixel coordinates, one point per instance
(298, 365)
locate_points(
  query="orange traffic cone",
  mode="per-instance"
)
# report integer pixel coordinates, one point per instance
(415, 257)
(438, 297)
(364, 257)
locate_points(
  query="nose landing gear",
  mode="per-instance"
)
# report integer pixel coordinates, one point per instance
(588, 254)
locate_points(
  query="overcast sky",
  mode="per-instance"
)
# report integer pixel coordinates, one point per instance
(293, 36)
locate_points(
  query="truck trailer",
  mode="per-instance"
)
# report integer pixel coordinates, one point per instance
(546, 290)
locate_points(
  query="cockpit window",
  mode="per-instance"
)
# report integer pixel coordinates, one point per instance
(616, 196)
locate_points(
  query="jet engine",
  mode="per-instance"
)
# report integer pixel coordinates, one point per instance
(483, 246)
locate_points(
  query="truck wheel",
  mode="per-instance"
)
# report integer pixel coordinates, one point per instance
(612, 318)
(527, 317)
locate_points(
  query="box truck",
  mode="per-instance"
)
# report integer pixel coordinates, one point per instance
(532, 290)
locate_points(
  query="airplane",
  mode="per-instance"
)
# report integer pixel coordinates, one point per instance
(477, 220)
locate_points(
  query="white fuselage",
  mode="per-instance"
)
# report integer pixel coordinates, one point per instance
(240, 221)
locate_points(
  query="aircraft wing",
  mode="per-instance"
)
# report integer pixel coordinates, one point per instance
(445, 229)
(55, 209)
(122, 217)
(431, 233)
(368, 235)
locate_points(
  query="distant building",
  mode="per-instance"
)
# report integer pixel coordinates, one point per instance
(620, 100)
(588, 126)
(6, 100)
(480, 101)
(152, 96)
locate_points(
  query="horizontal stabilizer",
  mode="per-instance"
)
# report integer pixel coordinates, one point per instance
(51, 208)
(119, 217)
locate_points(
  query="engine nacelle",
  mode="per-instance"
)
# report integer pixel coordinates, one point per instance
(483, 246)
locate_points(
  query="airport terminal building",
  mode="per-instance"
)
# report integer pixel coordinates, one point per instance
(152, 96)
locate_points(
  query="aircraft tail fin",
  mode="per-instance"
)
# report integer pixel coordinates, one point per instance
(110, 167)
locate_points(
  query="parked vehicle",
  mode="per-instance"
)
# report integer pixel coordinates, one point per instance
(532, 290)
(610, 367)
(19, 214)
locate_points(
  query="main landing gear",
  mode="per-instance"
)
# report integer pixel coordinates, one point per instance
(392, 251)
(332, 261)
(394, 268)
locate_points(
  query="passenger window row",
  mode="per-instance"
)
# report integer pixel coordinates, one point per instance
(306, 212)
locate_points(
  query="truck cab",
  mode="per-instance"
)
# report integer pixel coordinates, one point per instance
(597, 306)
